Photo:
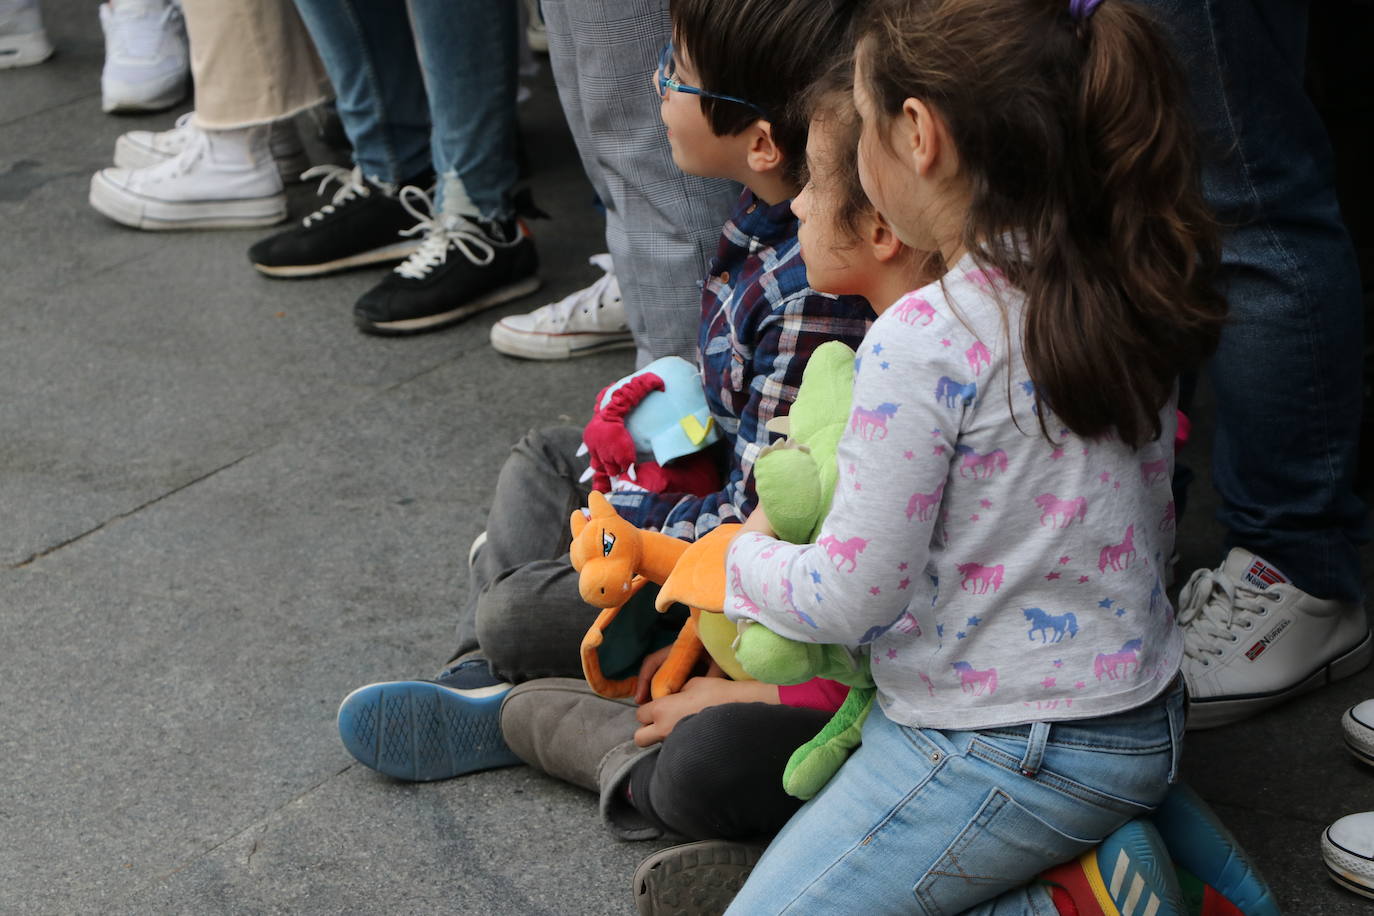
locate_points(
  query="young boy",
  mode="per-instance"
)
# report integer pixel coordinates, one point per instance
(760, 321)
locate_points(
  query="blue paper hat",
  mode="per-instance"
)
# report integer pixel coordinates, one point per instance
(673, 422)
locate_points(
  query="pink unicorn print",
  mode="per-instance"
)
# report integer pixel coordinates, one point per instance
(1154, 471)
(923, 505)
(848, 550)
(1118, 556)
(982, 466)
(925, 679)
(986, 280)
(978, 357)
(1118, 664)
(952, 392)
(1170, 517)
(1061, 512)
(974, 681)
(982, 577)
(911, 311)
(872, 424)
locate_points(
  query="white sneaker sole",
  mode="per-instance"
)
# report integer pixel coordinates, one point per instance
(391, 254)
(443, 319)
(120, 98)
(141, 212)
(24, 50)
(130, 155)
(1352, 872)
(530, 345)
(1213, 713)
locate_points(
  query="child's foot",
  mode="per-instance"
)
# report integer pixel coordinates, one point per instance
(1215, 874)
(1127, 874)
(700, 877)
(425, 730)
(1348, 851)
(147, 60)
(588, 321)
(23, 41)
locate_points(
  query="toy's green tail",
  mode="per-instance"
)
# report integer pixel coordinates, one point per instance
(812, 764)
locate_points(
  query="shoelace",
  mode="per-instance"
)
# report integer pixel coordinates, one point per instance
(1212, 605)
(351, 187)
(560, 313)
(197, 145)
(441, 234)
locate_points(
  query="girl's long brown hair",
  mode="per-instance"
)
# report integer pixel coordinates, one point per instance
(1077, 148)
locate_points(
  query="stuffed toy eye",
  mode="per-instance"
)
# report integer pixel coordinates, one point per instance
(607, 543)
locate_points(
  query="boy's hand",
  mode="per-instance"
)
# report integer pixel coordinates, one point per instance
(661, 716)
(652, 662)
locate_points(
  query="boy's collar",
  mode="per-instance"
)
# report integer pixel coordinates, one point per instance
(756, 217)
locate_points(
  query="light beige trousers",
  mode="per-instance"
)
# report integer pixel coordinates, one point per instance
(253, 62)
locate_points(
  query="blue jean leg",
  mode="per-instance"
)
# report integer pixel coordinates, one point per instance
(369, 52)
(1287, 374)
(469, 56)
(932, 822)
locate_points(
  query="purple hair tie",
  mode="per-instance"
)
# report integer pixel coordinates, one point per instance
(1080, 10)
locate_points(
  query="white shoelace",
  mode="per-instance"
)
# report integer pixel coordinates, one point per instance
(351, 187)
(441, 233)
(1212, 605)
(560, 313)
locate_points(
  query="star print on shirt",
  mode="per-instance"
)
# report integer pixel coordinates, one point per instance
(903, 584)
(1056, 454)
(877, 349)
(1048, 683)
(1105, 603)
(1064, 561)
(939, 449)
(1050, 577)
(1105, 477)
(974, 621)
(1079, 685)
(973, 517)
(1058, 663)
(961, 635)
(1121, 612)
(985, 504)
(815, 577)
(1082, 579)
(891, 653)
(884, 365)
(875, 590)
(908, 454)
(946, 342)
(902, 566)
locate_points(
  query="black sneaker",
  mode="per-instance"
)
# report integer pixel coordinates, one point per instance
(464, 266)
(361, 225)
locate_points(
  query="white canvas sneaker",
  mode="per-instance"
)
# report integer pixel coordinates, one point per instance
(1348, 851)
(221, 179)
(587, 321)
(147, 60)
(1252, 639)
(1358, 727)
(23, 41)
(139, 149)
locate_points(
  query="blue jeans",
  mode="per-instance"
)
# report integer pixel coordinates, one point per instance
(426, 83)
(942, 822)
(1287, 375)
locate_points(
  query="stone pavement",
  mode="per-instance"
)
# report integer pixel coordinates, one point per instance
(223, 508)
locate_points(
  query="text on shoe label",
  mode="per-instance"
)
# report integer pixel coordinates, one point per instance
(1267, 639)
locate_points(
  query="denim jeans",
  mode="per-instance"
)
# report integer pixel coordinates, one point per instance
(1287, 375)
(426, 83)
(942, 822)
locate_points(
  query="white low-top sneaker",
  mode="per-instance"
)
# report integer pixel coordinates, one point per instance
(221, 179)
(23, 41)
(139, 149)
(1252, 639)
(1358, 726)
(587, 321)
(147, 59)
(1348, 851)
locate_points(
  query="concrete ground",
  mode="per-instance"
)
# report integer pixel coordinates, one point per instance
(222, 508)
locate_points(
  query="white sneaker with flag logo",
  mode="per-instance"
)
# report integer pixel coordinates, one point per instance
(588, 321)
(1253, 639)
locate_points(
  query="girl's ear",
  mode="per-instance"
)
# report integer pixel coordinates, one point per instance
(921, 135)
(764, 154)
(882, 240)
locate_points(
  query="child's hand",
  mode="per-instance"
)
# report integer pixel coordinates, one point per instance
(652, 662)
(758, 521)
(661, 716)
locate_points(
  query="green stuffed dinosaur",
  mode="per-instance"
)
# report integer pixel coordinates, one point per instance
(795, 480)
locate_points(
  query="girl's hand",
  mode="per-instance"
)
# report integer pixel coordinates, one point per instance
(652, 662)
(758, 521)
(661, 716)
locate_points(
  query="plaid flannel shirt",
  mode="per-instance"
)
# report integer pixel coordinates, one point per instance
(760, 321)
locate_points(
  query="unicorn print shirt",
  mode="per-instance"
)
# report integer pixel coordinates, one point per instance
(992, 576)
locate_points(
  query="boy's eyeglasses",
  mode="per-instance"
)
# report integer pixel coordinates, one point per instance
(668, 80)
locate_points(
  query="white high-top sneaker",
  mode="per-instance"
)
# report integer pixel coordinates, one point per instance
(147, 59)
(1252, 639)
(587, 321)
(1357, 725)
(23, 41)
(1348, 851)
(221, 179)
(139, 149)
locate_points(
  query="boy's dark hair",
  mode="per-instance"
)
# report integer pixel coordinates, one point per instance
(765, 51)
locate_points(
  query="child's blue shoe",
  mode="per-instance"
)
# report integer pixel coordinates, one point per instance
(425, 730)
(1127, 874)
(1217, 877)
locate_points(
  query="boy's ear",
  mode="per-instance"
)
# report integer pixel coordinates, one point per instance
(764, 154)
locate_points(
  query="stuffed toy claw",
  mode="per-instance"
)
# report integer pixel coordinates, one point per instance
(776, 659)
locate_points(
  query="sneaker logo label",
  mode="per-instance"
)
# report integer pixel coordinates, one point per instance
(1262, 575)
(1268, 639)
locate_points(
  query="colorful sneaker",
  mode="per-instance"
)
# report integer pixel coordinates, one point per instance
(1127, 874)
(1252, 639)
(420, 731)
(1216, 876)
(23, 40)
(221, 179)
(147, 59)
(587, 321)
(1358, 726)
(465, 265)
(363, 225)
(1348, 851)
(701, 877)
(139, 149)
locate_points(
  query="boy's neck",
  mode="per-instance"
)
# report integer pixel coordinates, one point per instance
(770, 187)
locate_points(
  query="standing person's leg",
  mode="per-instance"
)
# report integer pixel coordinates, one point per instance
(662, 225)
(475, 255)
(1289, 360)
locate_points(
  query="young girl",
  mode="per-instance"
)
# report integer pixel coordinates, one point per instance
(999, 531)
